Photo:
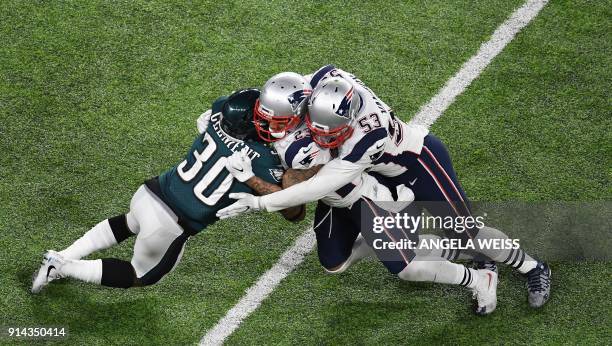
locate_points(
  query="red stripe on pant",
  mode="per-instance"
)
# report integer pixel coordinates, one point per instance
(448, 178)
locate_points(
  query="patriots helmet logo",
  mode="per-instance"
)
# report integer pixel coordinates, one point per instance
(345, 104)
(296, 99)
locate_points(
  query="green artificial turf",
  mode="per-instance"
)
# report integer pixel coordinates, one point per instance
(96, 97)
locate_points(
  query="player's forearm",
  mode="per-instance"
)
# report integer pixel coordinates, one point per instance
(296, 176)
(330, 178)
(262, 187)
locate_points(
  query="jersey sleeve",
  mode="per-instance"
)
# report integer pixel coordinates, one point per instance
(319, 75)
(304, 154)
(268, 167)
(367, 149)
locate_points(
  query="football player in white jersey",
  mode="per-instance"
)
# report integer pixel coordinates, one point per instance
(346, 116)
(339, 215)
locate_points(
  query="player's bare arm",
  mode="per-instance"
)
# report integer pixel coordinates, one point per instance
(295, 176)
(239, 165)
(262, 187)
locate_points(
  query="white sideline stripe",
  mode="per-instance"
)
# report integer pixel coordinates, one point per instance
(431, 111)
(427, 115)
(262, 288)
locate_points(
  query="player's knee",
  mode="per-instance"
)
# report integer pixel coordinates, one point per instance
(339, 269)
(132, 222)
(118, 273)
(120, 227)
(426, 247)
(491, 233)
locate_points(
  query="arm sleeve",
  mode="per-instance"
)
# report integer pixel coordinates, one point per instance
(331, 177)
(268, 168)
(368, 148)
(304, 153)
(318, 75)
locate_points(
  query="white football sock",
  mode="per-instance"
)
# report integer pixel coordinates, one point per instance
(100, 237)
(436, 269)
(360, 250)
(84, 270)
(516, 258)
(527, 265)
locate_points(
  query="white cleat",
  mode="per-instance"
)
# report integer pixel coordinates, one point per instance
(485, 292)
(49, 270)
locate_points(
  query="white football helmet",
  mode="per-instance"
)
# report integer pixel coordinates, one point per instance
(331, 110)
(281, 105)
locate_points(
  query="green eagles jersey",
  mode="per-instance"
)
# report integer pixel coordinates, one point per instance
(199, 186)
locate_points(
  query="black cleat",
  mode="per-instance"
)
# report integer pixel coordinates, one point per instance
(538, 284)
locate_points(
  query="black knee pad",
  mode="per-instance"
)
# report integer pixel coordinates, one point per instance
(117, 273)
(120, 228)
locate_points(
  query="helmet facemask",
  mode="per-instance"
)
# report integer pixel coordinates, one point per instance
(326, 138)
(272, 128)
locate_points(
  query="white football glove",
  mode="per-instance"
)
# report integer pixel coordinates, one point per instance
(239, 165)
(245, 203)
(203, 120)
(404, 194)
(405, 197)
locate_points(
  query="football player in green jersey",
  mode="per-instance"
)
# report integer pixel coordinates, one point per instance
(166, 210)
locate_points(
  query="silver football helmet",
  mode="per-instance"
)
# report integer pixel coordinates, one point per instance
(331, 110)
(281, 105)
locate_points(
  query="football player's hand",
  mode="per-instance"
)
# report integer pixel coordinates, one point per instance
(239, 165)
(404, 194)
(203, 120)
(405, 197)
(245, 203)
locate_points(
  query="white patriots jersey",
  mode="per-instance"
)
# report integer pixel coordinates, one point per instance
(380, 141)
(298, 151)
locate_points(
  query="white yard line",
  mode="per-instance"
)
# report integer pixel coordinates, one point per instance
(262, 288)
(427, 115)
(431, 111)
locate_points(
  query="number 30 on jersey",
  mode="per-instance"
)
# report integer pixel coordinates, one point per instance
(213, 172)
